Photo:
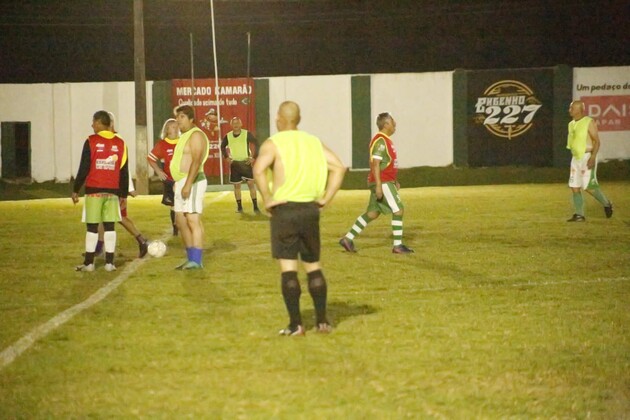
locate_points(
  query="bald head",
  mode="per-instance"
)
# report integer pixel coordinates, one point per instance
(288, 116)
(576, 109)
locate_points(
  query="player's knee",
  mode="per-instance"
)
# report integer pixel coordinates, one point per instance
(109, 226)
(372, 215)
(92, 227)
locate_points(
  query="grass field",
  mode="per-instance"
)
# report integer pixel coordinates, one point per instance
(505, 310)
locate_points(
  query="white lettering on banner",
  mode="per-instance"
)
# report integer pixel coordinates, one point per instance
(507, 108)
(611, 112)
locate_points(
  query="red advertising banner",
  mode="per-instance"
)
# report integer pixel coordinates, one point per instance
(235, 99)
(611, 112)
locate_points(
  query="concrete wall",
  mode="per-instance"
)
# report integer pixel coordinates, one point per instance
(61, 117)
(326, 108)
(422, 104)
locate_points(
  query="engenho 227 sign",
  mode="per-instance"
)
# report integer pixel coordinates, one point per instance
(507, 108)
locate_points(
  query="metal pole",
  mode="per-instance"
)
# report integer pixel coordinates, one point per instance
(216, 86)
(142, 150)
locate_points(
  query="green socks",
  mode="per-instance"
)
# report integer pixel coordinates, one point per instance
(578, 203)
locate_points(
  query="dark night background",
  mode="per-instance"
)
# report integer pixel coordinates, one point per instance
(79, 40)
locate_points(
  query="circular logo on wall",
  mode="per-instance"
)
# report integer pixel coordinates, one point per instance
(507, 108)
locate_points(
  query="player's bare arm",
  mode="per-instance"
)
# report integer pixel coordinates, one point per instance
(160, 173)
(197, 150)
(336, 172)
(594, 135)
(266, 158)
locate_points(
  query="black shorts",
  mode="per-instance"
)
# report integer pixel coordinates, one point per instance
(295, 230)
(168, 195)
(240, 170)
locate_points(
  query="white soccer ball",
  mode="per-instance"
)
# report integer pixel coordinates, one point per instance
(157, 249)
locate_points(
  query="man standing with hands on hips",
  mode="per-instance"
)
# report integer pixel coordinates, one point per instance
(297, 175)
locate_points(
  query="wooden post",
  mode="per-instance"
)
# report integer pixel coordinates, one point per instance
(142, 173)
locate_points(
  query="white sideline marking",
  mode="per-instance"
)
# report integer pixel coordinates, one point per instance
(12, 352)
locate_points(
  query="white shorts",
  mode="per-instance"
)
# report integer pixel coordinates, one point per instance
(581, 176)
(194, 203)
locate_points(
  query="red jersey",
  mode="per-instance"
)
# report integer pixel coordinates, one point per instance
(382, 148)
(107, 156)
(163, 151)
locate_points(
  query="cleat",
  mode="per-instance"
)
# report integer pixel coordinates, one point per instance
(347, 244)
(110, 267)
(324, 328)
(85, 268)
(608, 210)
(190, 265)
(179, 267)
(401, 249)
(144, 248)
(288, 331)
(577, 218)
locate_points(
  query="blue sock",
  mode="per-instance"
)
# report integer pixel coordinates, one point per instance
(189, 254)
(195, 255)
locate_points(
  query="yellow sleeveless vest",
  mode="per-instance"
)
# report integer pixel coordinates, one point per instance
(239, 148)
(178, 152)
(578, 137)
(305, 167)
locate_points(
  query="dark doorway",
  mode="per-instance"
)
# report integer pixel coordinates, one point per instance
(16, 150)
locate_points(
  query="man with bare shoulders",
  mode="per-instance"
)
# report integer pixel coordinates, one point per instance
(304, 176)
(186, 167)
(583, 141)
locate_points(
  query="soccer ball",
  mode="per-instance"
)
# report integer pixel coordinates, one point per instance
(157, 249)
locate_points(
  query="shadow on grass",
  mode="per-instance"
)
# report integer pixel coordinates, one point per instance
(254, 217)
(337, 313)
(218, 246)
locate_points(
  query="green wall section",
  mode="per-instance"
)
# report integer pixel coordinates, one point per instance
(162, 108)
(261, 89)
(460, 118)
(361, 120)
(562, 96)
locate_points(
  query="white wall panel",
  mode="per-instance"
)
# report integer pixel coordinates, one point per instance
(325, 102)
(421, 104)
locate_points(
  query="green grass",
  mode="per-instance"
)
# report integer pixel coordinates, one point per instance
(505, 310)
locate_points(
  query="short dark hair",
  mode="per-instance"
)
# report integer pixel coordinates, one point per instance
(382, 118)
(103, 117)
(187, 110)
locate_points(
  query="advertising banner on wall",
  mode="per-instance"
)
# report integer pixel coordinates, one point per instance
(510, 117)
(605, 92)
(235, 99)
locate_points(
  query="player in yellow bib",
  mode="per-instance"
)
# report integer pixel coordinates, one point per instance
(583, 141)
(190, 186)
(235, 147)
(297, 175)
